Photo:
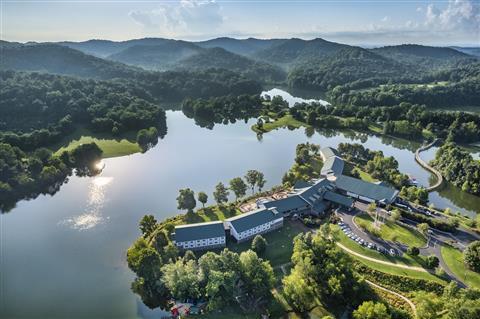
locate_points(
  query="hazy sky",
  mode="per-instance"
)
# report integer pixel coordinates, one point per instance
(355, 21)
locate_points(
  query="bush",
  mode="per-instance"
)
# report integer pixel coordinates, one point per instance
(259, 244)
(413, 251)
(432, 262)
(400, 284)
(432, 222)
(471, 256)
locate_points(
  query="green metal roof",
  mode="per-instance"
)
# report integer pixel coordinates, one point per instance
(366, 189)
(333, 165)
(253, 219)
(339, 199)
(327, 152)
(199, 231)
(286, 204)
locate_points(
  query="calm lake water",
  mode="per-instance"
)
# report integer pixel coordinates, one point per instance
(63, 256)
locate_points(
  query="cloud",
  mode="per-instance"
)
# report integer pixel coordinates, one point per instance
(459, 15)
(186, 17)
(385, 19)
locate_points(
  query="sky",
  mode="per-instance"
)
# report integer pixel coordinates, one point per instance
(357, 22)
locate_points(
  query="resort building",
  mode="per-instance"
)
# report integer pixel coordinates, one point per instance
(332, 163)
(307, 198)
(200, 236)
(362, 190)
(245, 226)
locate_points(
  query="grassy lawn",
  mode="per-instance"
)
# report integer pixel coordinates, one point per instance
(402, 260)
(110, 146)
(393, 232)
(285, 121)
(279, 247)
(454, 260)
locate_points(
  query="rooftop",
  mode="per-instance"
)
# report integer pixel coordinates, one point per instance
(315, 193)
(333, 165)
(365, 189)
(253, 219)
(285, 204)
(199, 231)
(327, 152)
(339, 199)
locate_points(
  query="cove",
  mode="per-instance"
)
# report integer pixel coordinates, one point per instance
(64, 255)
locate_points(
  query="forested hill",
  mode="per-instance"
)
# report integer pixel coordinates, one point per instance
(156, 57)
(296, 51)
(56, 59)
(220, 58)
(246, 47)
(347, 65)
(422, 56)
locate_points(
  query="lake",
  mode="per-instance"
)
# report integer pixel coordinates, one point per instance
(64, 255)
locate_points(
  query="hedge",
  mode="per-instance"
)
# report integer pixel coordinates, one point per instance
(432, 222)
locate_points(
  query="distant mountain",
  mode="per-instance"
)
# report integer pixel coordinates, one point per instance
(346, 65)
(221, 58)
(160, 56)
(57, 59)
(296, 51)
(422, 56)
(475, 51)
(240, 46)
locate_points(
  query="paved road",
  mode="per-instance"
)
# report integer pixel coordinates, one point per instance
(433, 247)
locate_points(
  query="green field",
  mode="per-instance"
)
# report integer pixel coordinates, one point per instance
(393, 232)
(279, 244)
(285, 121)
(454, 260)
(111, 147)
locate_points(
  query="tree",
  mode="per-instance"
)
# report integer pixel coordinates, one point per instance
(251, 178)
(428, 305)
(148, 223)
(396, 215)
(371, 310)
(85, 156)
(182, 279)
(189, 255)
(299, 294)
(259, 244)
(432, 262)
(220, 194)
(413, 251)
(238, 186)
(471, 256)
(186, 200)
(202, 198)
(257, 276)
(260, 181)
(423, 228)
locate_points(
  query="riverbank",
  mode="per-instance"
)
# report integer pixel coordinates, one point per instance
(421, 162)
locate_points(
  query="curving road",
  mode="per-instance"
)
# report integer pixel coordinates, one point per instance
(424, 164)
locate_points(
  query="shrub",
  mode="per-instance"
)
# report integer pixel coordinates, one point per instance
(413, 251)
(259, 244)
(432, 262)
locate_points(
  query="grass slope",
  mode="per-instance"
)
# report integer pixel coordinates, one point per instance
(454, 260)
(285, 121)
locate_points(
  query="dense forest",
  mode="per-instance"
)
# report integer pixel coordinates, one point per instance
(458, 167)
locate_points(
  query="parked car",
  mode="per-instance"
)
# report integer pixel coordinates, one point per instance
(392, 252)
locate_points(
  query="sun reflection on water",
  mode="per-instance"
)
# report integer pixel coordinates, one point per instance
(95, 202)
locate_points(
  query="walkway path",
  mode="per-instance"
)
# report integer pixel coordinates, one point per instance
(380, 261)
(428, 167)
(410, 303)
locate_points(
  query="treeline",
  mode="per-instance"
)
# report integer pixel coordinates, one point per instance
(40, 109)
(462, 93)
(405, 120)
(458, 167)
(24, 175)
(225, 109)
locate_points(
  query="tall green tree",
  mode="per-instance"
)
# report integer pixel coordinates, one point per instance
(148, 223)
(238, 186)
(471, 255)
(186, 200)
(202, 198)
(371, 310)
(221, 193)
